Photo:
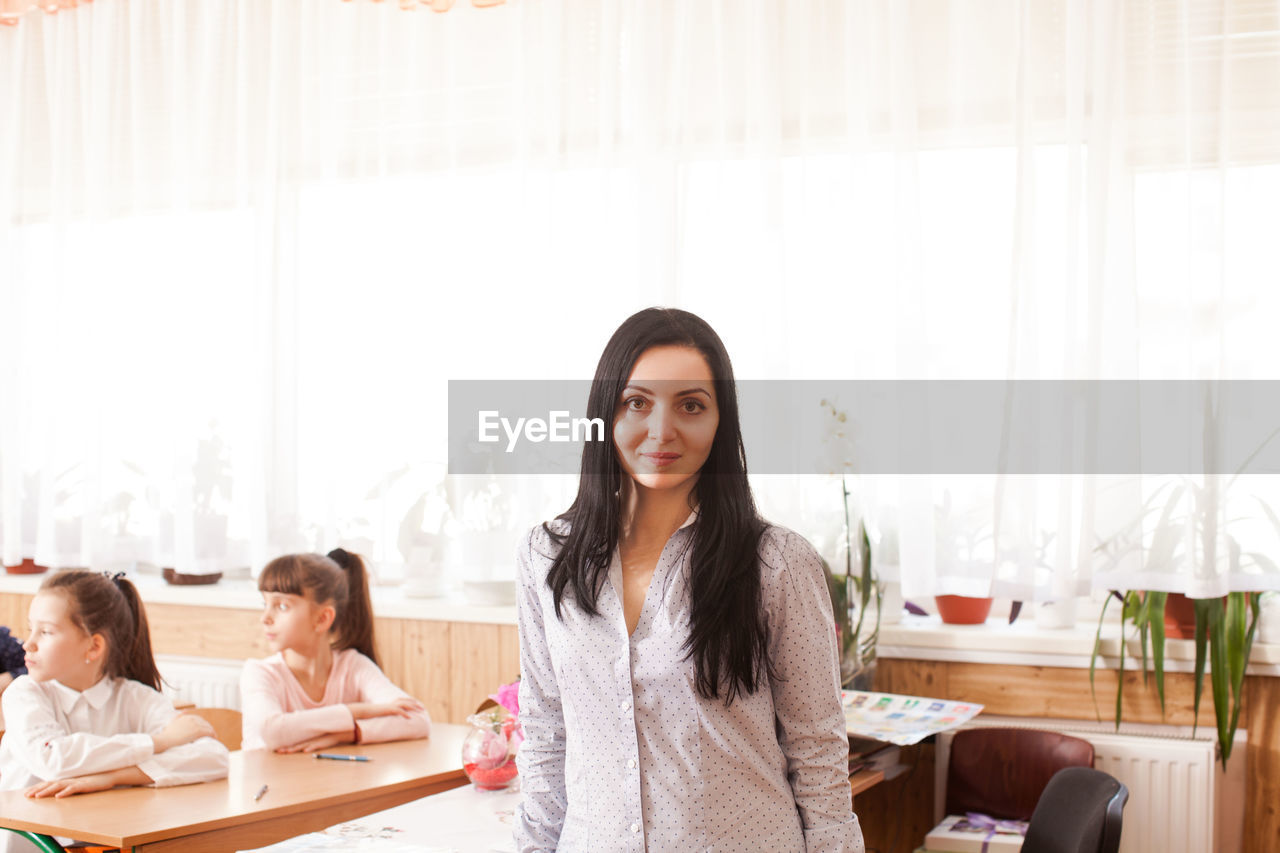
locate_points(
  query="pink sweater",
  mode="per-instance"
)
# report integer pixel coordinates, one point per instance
(278, 712)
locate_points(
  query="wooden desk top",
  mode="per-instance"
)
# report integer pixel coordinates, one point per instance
(304, 795)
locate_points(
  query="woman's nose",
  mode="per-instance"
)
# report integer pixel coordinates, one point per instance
(661, 424)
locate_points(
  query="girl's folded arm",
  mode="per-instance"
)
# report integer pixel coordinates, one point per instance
(266, 723)
(49, 751)
(374, 686)
(202, 760)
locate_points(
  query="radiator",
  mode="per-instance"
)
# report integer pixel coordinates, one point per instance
(1180, 800)
(205, 682)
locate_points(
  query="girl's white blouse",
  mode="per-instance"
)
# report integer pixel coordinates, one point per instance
(55, 732)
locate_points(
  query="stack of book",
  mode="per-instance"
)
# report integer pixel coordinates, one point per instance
(975, 834)
(868, 754)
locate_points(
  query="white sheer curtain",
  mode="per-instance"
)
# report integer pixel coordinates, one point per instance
(245, 244)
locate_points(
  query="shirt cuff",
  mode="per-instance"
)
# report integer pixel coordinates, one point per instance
(836, 838)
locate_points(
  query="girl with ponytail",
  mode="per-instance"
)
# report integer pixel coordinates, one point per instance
(322, 687)
(89, 715)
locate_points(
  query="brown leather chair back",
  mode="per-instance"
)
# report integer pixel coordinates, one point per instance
(1002, 772)
(226, 724)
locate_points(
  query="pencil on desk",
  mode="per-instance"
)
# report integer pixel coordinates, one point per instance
(261, 791)
(338, 757)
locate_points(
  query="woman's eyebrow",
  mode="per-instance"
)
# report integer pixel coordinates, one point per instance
(644, 390)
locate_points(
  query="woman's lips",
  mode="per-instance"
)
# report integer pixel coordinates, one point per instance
(661, 460)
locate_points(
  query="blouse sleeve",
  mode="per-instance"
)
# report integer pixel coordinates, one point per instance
(806, 695)
(540, 816)
(266, 723)
(373, 685)
(202, 760)
(50, 751)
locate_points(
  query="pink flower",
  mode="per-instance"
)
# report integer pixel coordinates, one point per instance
(508, 696)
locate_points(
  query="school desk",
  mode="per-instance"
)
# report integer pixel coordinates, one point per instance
(304, 794)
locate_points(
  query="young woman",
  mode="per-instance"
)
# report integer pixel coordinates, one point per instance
(88, 715)
(680, 678)
(323, 686)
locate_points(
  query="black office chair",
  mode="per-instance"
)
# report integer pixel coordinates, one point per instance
(1080, 811)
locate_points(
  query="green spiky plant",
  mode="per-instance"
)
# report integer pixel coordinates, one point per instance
(1224, 627)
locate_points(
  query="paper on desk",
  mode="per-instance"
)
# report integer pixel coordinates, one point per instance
(315, 842)
(361, 835)
(463, 820)
(903, 720)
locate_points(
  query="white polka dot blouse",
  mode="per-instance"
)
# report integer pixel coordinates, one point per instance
(623, 754)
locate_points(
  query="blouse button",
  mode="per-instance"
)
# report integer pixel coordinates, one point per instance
(635, 827)
(631, 762)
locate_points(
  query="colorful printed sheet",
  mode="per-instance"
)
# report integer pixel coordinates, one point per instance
(903, 720)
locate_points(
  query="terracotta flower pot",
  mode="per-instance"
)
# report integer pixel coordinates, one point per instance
(1179, 617)
(963, 610)
(183, 579)
(26, 567)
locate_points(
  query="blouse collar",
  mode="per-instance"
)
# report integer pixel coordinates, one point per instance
(96, 696)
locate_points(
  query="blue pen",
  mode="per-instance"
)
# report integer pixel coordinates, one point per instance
(337, 757)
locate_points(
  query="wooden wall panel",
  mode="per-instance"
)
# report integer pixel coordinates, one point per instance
(212, 632)
(482, 658)
(1262, 795)
(1042, 691)
(508, 653)
(388, 635)
(912, 677)
(13, 613)
(425, 667)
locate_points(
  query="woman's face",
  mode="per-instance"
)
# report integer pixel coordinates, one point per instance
(665, 422)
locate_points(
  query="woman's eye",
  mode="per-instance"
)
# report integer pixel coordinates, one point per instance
(635, 403)
(692, 406)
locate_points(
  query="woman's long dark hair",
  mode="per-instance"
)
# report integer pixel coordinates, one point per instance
(728, 638)
(339, 578)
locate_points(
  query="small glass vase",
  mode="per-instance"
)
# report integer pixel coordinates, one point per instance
(489, 749)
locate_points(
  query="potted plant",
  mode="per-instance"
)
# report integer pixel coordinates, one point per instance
(857, 652)
(212, 478)
(964, 538)
(65, 486)
(1223, 628)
